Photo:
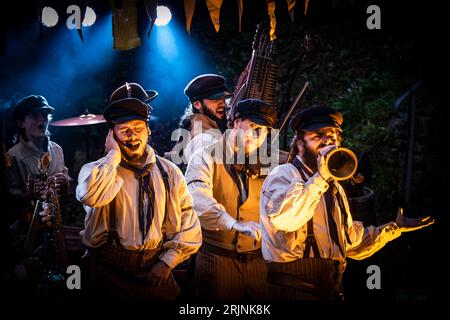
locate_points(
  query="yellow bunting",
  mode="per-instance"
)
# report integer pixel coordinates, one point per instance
(125, 26)
(240, 10)
(273, 19)
(291, 7)
(214, 12)
(189, 7)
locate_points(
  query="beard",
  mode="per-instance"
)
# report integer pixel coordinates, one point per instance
(221, 123)
(133, 159)
(310, 158)
(309, 155)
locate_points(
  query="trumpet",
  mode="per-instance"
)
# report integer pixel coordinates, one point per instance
(341, 163)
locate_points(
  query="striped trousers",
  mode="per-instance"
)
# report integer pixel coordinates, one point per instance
(121, 273)
(223, 278)
(306, 279)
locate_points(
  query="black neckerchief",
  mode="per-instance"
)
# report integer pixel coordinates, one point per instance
(145, 187)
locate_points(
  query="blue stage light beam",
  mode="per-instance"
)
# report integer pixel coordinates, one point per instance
(65, 70)
(168, 61)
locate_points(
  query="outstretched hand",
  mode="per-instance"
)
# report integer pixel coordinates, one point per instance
(411, 224)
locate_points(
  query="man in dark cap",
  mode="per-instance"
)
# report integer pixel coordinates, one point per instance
(205, 117)
(140, 223)
(229, 264)
(307, 227)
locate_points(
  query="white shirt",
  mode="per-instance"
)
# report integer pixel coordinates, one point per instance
(25, 157)
(200, 174)
(288, 202)
(102, 181)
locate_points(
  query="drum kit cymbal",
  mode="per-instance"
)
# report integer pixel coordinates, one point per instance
(86, 119)
(82, 120)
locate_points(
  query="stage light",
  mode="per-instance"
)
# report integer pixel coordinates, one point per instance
(163, 16)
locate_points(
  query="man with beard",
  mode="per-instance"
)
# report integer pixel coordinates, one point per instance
(229, 264)
(140, 223)
(205, 117)
(307, 228)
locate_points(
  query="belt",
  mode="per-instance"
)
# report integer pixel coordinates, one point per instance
(239, 256)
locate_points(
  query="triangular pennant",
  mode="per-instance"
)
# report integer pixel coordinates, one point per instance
(150, 8)
(241, 9)
(273, 19)
(214, 12)
(306, 6)
(291, 7)
(189, 7)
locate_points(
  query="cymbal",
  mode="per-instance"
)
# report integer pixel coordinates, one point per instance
(83, 120)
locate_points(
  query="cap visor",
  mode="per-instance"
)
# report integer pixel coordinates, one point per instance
(321, 125)
(128, 118)
(51, 109)
(218, 96)
(259, 120)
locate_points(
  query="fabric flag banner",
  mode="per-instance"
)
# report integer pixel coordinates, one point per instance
(214, 12)
(150, 8)
(189, 7)
(291, 7)
(273, 19)
(241, 9)
(125, 26)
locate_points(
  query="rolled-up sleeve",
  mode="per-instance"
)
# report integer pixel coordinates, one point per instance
(199, 176)
(287, 200)
(98, 182)
(367, 241)
(183, 229)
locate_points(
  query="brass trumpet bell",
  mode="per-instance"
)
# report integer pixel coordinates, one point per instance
(341, 163)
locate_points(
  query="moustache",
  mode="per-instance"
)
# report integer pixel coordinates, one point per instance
(129, 144)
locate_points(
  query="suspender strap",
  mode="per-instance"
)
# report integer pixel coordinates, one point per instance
(113, 236)
(311, 241)
(165, 178)
(344, 214)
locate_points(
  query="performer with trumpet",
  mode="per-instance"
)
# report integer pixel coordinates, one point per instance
(307, 228)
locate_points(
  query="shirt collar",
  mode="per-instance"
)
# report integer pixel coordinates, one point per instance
(309, 172)
(31, 147)
(207, 122)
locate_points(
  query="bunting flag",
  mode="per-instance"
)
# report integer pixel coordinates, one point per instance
(306, 6)
(240, 10)
(125, 25)
(291, 7)
(189, 7)
(150, 8)
(273, 19)
(214, 12)
(83, 4)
